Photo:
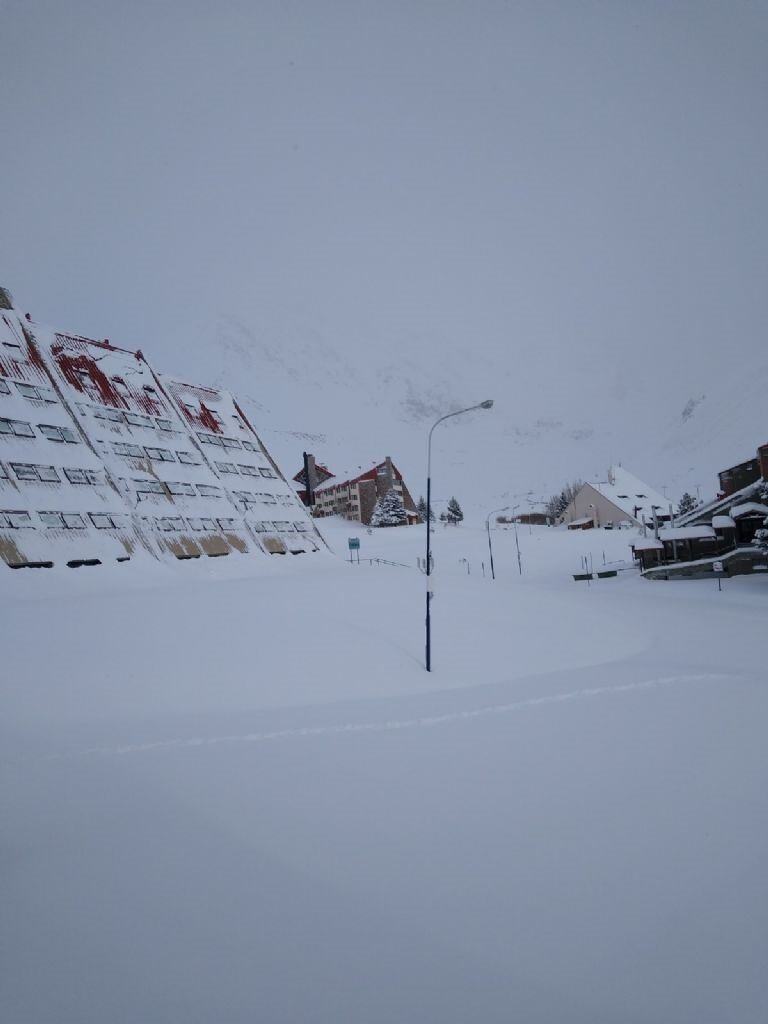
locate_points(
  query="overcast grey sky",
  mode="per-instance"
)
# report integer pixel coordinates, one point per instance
(576, 177)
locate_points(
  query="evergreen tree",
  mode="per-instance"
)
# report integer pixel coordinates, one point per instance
(761, 536)
(454, 514)
(687, 504)
(389, 511)
(421, 508)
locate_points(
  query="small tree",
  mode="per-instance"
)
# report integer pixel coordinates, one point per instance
(454, 514)
(421, 508)
(389, 511)
(760, 539)
(687, 504)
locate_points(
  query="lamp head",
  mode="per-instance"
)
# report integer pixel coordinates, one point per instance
(487, 404)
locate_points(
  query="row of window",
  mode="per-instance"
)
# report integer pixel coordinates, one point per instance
(35, 392)
(15, 520)
(19, 520)
(178, 524)
(21, 429)
(33, 473)
(134, 419)
(133, 451)
(227, 442)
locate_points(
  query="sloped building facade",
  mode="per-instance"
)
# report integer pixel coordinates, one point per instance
(102, 457)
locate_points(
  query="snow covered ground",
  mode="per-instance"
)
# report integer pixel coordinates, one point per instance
(238, 797)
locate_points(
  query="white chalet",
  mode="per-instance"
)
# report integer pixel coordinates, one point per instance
(622, 498)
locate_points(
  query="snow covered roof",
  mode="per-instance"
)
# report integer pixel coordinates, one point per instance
(635, 498)
(720, 504)
(723, 523)
(647, 544)
(686, 532)
(749, 508)
(581, 522)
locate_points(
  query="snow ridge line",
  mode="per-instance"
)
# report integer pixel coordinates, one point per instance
(391, 725)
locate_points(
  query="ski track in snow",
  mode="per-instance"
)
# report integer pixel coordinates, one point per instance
(392, 725)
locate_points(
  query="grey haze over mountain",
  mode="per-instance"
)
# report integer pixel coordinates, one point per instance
(359, 215)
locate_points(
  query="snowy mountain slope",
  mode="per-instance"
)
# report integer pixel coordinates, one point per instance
(553, 420)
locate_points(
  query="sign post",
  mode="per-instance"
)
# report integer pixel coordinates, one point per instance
(717, 569)
(354, 545)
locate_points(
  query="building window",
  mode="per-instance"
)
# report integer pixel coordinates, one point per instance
(130, 450)
(45, 474)
(164, 424)
(227, 524)
(102, 412)
(81, 476)
(4, 389)
(17, 427)
(56, 433)
(102, 521)
(208, 491)
(226, 467)
(268, 473)
(250, 446)
(188, 458)
(210, 439)
(230, 442)
(149, 487)
(136, 420)
(160, 454)
(16, 520)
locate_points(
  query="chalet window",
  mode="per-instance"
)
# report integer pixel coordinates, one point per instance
(69, 435)
(28, 391)
(46, 394)
(283, 527)
(150, 391)
(301, 527)
(24, 472)
(227, 524)
(101, 521)
(160, 454)
(248, 470)
(181, 488)
(268, 499)
(48, 475)
(171, 524)
(226, 467)
(131, 450)
(3, 473)
(4, 389)
(208, 525)
(81, 475)
(250, 446)
(645, 496)
(149, 487)
(51, 519)
(62, 520)
(208, 491)
(262, 527)
(188, 458)
(268, 473)
(136, 420)
(17, 520)
(164, 424)
(12, 345)
(210, 439)
(230, 442)
(113, 415)
(194, 524)
(17, 427)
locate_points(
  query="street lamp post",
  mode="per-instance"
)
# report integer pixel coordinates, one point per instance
(428, 624)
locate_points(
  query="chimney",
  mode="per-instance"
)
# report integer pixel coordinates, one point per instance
(389, 473)
(310, 478)
(6, 299)
(762, 457)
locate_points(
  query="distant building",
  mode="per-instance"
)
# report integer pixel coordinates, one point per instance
(621, 499)
(356, 497)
